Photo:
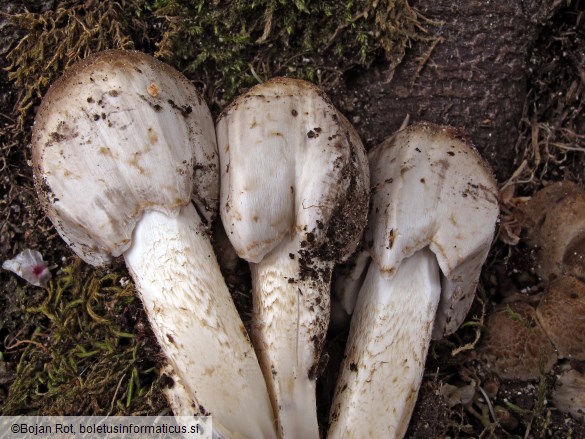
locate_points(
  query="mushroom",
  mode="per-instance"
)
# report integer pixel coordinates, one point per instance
(294, 179)
(556, 226)
(121, 144)
(561, 313)
(515, 346)
(431, 222)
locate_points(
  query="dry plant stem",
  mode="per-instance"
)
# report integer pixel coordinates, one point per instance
(197, 324)
(385, 355)
(289, 343)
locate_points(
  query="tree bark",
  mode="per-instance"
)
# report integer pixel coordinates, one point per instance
(474, 78)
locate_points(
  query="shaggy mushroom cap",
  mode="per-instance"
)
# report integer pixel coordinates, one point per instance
(556, 226)
(291, 163)
(561, 313)
(118, 134)
(515, 345)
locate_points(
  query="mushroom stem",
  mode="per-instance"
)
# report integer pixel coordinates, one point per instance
(196, 323)
(291, 313)
(385, 354)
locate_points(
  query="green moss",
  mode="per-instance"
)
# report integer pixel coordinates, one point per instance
(56, 39)
(224, 45)
(238, 43)
(85, 356)
(528, 322)
(542, 414)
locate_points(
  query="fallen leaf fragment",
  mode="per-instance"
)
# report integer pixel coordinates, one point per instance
(30, 266)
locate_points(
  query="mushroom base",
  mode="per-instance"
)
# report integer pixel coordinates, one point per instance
(386, 350)
(291, 315)
(197, 325)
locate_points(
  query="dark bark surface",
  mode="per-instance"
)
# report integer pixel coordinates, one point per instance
(475, 78)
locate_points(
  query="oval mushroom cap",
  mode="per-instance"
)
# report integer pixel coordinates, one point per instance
(118, 134)
(561, 312)
(286, 143)
(515, 346)
(431, 188)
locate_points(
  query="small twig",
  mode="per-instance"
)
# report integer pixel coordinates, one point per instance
(116, 394)
(341, 27)
(20, 342)
(568, 148)
(528, 427)
(8, 118)
(254, 74)
(424, 59)
(489, 403)
(404, 122)
(515, 178)
(267, 25)
(478, 325)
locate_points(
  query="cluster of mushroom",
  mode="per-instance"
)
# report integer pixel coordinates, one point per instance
(127, 163)
(523, 342)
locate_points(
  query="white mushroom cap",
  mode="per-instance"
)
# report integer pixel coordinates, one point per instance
(96, 191)
(292, 147)
(431, 188)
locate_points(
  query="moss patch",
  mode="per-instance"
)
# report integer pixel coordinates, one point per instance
(56, 39)
(239, 43)
(226, 45)
(84, 353)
